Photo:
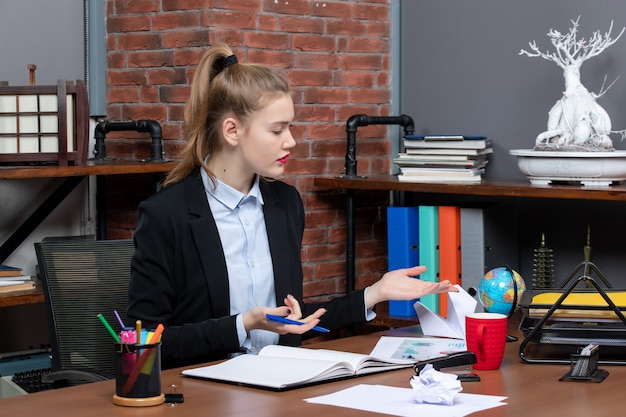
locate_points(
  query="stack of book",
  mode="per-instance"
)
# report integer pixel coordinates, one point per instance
(13, 279)
(443, 158)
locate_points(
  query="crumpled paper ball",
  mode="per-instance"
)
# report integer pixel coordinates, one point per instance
(434, 387)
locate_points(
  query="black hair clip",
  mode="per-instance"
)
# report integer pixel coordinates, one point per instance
(230, 60)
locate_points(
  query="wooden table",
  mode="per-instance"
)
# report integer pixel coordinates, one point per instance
(532, 390)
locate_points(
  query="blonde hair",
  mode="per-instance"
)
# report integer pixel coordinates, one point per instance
(219, 91)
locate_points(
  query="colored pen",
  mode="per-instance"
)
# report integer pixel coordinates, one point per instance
(285, 320)
(119, 319)
(138, 331)
(156, 335)
(109, 328)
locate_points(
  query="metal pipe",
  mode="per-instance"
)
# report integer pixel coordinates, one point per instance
(151, 126)
(351, 172)
(364, 120)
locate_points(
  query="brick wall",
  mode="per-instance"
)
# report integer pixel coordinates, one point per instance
(336, 57)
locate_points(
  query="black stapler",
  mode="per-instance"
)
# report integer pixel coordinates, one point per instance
(461, 362)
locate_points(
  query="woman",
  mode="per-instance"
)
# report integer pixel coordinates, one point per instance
(219, 247)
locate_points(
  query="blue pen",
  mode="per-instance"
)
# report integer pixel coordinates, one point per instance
(285, 320)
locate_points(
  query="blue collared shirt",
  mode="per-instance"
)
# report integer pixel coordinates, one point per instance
(241, 225)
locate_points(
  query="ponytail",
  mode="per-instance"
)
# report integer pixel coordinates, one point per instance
(221, 87)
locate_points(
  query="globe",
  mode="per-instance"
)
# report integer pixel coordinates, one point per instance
(496, 292)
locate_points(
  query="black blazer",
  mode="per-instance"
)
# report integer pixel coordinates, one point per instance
(179, 276)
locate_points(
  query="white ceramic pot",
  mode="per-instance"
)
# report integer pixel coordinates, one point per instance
(588, 168)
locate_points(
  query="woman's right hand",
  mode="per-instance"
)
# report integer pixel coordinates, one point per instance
(256, 318)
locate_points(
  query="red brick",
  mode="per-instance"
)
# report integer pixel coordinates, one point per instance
(139, 112)
(330, 269)
(139, 41)
(356, 79)
(289, 7)
(185, 39)
(371, 12)
(320, 287)
(313, 43)
(314, 60)
(325, 95)
(315, 114)
(343, 27)
(309, 77)
(299, 24)
(126, 77)
(276, 59)
(174, 5)
(228, 19)
(343, 9)
(174, 94)
(136, 6)
(374, 96)
(361, 62)
(166, 76)
(278, 41)
(122, 94)
(150, 59)
(267, 22)
(368, 45)
(149, 94)
(166, 21)
(378, 28)
(116, 60)
(128, 23)
(249, 5)
(326, 131)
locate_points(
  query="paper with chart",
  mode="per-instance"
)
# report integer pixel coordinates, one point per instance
(460, 304)
(416, 348)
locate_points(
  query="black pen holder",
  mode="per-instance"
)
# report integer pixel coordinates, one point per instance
(138, 375)
(585, 368)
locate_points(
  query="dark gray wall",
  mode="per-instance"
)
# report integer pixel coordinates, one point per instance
(47, 33)
(460, 71)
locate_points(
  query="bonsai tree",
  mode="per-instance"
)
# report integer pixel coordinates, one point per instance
(576, 122)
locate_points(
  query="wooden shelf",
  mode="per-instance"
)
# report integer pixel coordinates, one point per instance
(106, 167)
(15, 298)
(496, 188)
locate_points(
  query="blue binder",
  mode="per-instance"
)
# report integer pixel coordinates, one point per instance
(402, 249)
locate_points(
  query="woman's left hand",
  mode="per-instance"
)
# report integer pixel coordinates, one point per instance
(401, 284)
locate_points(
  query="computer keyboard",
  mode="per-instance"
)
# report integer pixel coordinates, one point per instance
(31, 381)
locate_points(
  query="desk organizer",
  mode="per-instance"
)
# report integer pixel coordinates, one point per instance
(44, 124)
(555, 321)
(585, 368)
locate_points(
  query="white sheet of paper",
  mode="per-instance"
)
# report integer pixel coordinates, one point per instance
(416, 348)
(399, 402)
(460, 304)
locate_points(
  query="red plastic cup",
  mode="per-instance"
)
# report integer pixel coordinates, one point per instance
(486, 337)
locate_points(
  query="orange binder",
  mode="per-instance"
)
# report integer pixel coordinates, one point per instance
(449, 250)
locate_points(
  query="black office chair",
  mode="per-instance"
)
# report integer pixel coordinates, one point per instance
(81, 279)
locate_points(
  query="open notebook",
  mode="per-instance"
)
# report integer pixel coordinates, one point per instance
(283, 367)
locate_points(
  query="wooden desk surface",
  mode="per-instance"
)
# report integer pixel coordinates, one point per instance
(533, 390)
